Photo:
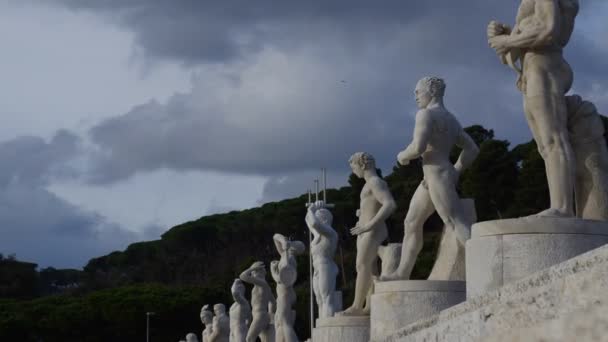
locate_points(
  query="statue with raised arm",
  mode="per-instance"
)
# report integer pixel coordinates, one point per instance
(376, 205)
(533, 48)
(207, 319)
(240, 313)
(436, 132)
(220, 324)
(262, 300)
(322, 249)
(284, 273)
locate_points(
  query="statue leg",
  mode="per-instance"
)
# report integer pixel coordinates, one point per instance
(258, 324)
(548, 79)
(442, 190)
(421, 207)
(367, 256)
(326, 287)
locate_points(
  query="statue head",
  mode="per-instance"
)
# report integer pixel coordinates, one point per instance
(191, 338)
(295, 247)
(238, 288)
(219, 309)
(361, 161)
(427, 89)
(324, 216)
(206, 315)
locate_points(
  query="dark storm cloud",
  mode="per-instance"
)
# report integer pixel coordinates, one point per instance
(304, 84)
(37, 225)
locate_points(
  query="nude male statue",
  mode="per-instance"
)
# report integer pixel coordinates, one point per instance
(376, 205)
(240, 313)
(207, 319)
(543, 28)
(220, 324)
(262, 300)
(436, 132)
(284, 273)
(323, 248)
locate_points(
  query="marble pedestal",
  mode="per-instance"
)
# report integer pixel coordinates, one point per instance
(396, 304)
(500, 252)
(341, 329)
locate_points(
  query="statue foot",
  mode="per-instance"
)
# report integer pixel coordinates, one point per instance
(353, 311)
(551, 212)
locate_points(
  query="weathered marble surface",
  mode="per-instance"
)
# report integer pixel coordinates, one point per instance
(342, 329)
(396, 304)
(547, 298)
(504, 251)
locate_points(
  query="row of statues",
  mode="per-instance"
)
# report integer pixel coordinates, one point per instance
(569, 134)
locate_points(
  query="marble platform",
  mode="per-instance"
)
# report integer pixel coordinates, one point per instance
(503, 251)
(396, 304)
(341, 329)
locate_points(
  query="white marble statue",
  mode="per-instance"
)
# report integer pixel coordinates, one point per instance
(284, 273)
(240, 313)
(376, 205)
(262, 304)
(591, 155)
(534, 49)
(207, 319)
(191, 337)
(323, 248)
(221, 325)
(389, 258)
(436, 132)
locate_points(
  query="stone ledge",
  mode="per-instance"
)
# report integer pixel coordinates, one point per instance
(554, 293)
(539, 225)
(420, 286)
(343, 321)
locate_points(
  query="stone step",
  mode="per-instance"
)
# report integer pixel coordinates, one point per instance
(535, 304)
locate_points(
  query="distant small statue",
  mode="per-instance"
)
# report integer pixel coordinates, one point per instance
(284, 273)
(240, 313)
(221, 325)
(322, 249)
(262, 304)
(207, 319)
(191, 338)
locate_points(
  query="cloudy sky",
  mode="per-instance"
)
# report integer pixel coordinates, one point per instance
(122, 118)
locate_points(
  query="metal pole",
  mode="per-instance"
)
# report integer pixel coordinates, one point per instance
(324, 170)
(148, 314)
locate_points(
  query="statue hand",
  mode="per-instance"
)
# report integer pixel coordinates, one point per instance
(360, 229)
(496, 28)
(500, 44)
(402, 158)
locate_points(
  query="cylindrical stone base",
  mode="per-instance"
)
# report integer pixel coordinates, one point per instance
(341, 329)
(503, 251)
(396, 304)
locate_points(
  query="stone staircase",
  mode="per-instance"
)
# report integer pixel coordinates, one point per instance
(566, 302)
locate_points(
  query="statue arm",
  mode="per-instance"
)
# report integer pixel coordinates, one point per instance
(544, 30)
(215, 331)
(422, 133)
(469, 151)
(314, 224)
(247, 277)
(279, 242)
